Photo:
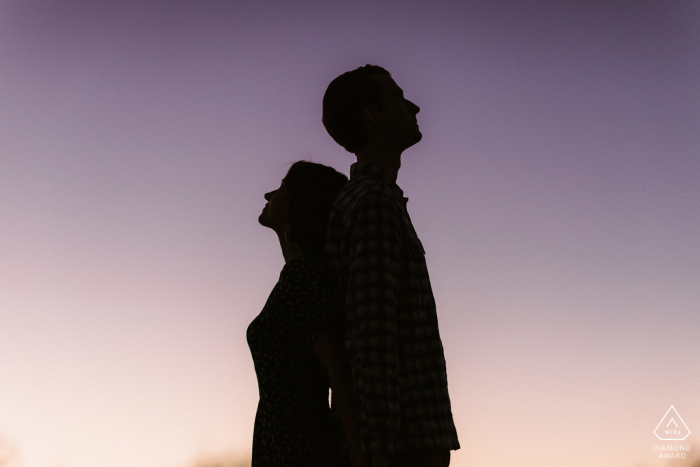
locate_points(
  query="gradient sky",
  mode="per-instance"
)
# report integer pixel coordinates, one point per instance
(556, 191)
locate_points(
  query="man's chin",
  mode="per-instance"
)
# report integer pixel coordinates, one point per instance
(416, 138)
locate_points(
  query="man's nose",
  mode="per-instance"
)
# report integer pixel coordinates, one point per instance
(414, 107)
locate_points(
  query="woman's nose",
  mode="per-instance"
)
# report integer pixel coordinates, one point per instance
(269, 195)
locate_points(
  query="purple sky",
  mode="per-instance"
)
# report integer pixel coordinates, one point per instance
(556, 191)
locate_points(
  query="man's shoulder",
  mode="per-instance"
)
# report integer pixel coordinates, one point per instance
(360, 188)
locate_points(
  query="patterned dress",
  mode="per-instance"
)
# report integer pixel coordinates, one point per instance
(293, 424)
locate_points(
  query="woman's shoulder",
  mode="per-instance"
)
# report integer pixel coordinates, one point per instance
(311, 296)
(306, 273)
(306, 265)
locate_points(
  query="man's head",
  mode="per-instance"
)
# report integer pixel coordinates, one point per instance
(366, 103)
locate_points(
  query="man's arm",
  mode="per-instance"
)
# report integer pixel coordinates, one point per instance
(374, 263)
(333, 358)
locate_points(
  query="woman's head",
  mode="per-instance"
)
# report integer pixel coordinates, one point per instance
(298, 210)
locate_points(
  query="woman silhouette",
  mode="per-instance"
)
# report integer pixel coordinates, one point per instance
(292, 340)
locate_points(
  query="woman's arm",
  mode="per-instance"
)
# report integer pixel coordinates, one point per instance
(332, 357)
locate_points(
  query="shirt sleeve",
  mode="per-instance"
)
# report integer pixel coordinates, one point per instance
(374, 265)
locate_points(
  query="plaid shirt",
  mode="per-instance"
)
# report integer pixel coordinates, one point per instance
(391, 328)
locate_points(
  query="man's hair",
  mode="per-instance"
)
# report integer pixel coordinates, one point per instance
(312, 189)
(343, 102)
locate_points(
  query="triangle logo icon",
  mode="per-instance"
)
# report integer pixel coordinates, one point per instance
(672, 427)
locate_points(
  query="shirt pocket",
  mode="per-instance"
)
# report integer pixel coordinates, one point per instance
(416, 246)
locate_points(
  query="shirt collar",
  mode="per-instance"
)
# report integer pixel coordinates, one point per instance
(376, 172)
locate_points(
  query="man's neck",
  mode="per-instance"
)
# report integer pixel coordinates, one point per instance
(387, 160)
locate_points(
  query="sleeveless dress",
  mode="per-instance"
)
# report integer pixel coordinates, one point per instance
(293, 424)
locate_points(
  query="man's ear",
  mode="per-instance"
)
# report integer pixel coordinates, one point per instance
(371, 113)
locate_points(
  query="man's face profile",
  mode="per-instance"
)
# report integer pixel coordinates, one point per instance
(397, 119)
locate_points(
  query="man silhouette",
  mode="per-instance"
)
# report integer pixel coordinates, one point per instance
(391, 330)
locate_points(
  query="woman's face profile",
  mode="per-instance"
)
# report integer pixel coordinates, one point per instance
(274, 214)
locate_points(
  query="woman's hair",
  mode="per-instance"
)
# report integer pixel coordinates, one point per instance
(312, 188)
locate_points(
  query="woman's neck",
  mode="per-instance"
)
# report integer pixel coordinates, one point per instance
(289, 250)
